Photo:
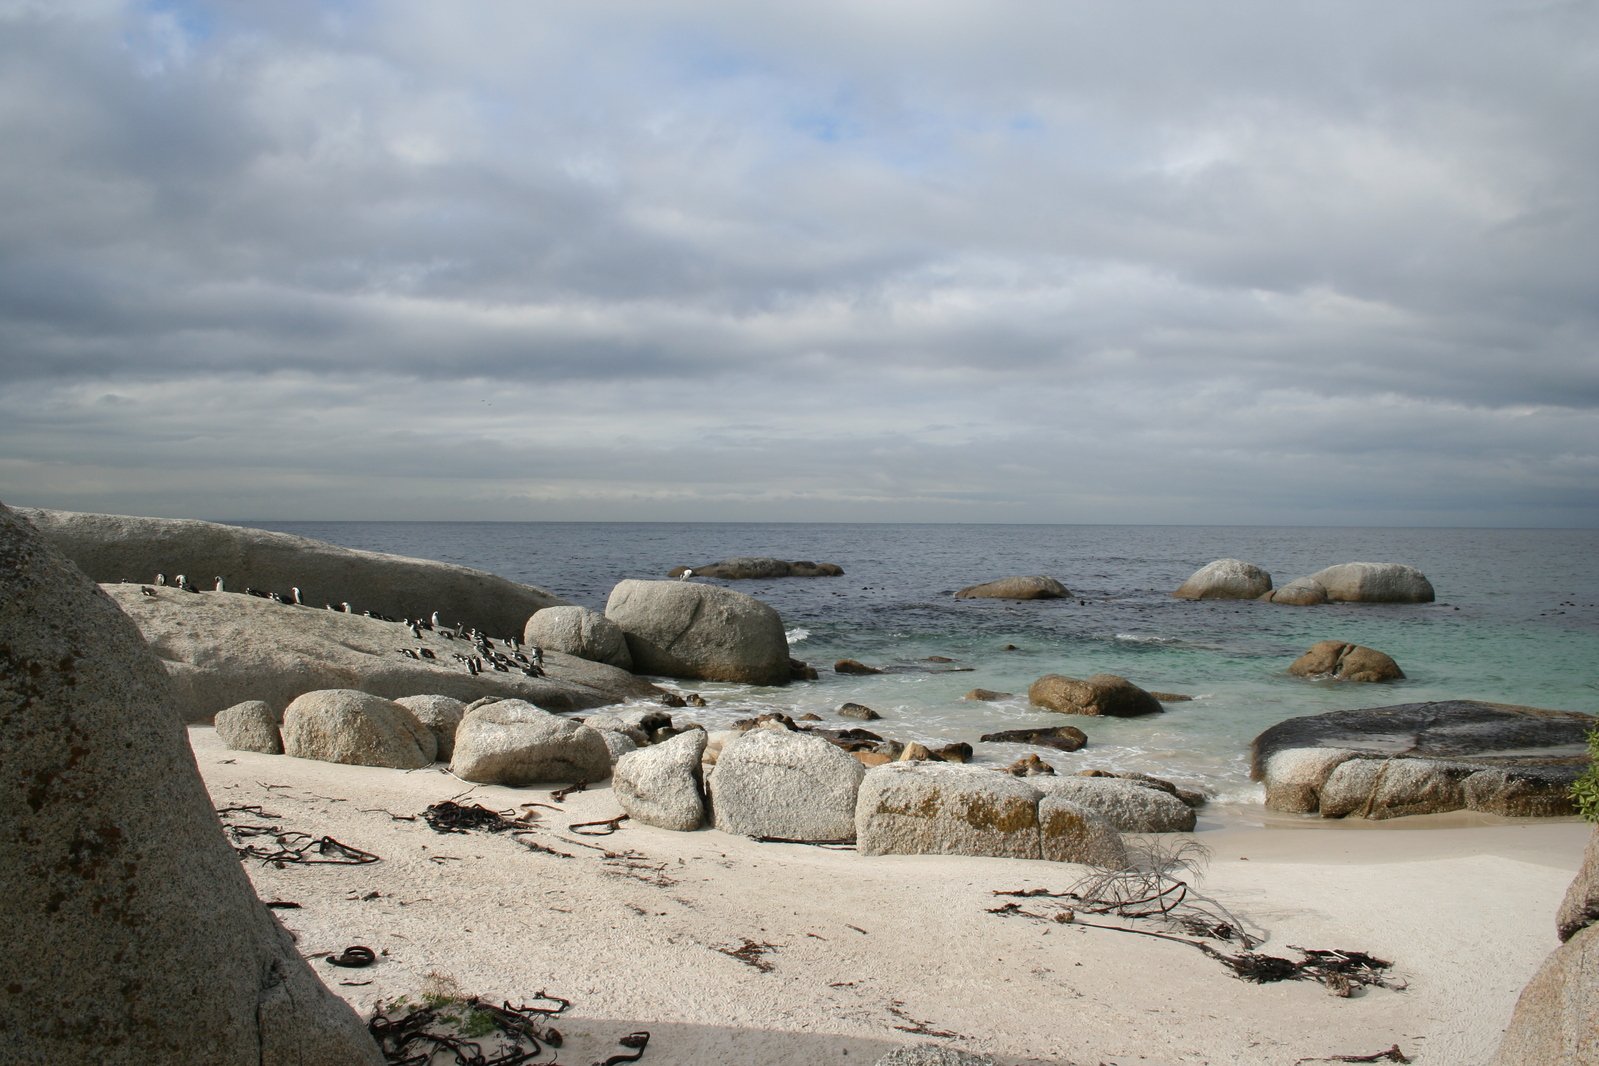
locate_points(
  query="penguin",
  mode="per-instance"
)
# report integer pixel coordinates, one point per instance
(410, 653)
(294, 594)
(161, 580)
(435, 620)
(538, 656)
(345, 606)
(219, 587)
(147, 590)
(427, 653)
(685, 575)
(416, 630)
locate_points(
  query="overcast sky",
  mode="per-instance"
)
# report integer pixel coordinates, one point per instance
(1264, 262)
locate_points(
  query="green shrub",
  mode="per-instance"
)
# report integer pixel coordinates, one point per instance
(1585, 790)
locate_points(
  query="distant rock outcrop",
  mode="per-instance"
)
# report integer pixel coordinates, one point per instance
(1374, 583)
(112, 548)
(132, 932)
(685, 629)
(1225, 579)
(1039, 587)
(224, 647)
(1346, 662)
(744, 568)
(1300, 592)
(1424, 758)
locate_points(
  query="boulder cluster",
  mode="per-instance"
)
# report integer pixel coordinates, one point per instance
(1234, 579)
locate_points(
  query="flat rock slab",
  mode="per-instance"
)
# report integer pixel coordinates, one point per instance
(1036, 587)
(1489, 757)
(745, 568)
(221, 648)
(125, 548)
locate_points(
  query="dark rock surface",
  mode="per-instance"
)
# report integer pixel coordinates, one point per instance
(1496, 758)
(744, 568)
(1061, 738)
(1038, 587)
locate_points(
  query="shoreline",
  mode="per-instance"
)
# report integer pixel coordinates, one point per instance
(863, 950)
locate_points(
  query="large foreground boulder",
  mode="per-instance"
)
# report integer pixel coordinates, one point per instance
(779, 783)
(1038, 587)
(133, 934)
(705, 632)
(1423, 758)
(515, 743)
(1101, 694)
(1225, 579)
(746, 568)
(581, 632)
(223, 647)
(1556, 1021)
(1338, 661)
(1374, 583)
(114, 548)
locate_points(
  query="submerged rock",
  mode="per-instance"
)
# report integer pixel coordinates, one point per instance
(1039, 587)
(745, 568)
(1061, 738)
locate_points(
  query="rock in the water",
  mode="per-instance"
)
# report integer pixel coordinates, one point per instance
(685, 629)
(132, 931)
(746, 567)
(1374, 583)
(1038, 587)
(441, 715)
(855, 667)
(660, 785)
(223, 647)
(120, 547)
(581, 632)
(1129, 806)
(515, 743)
(358, 729)
(859, 712)
(986, 695)
(251, 726)
(1101, 694)
(1061, 738)
(776, 783)
(1225, 579)
(1420, 758)
(1345, 662)
(1300, 592)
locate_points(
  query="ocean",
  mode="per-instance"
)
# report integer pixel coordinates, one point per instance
(1516, 620)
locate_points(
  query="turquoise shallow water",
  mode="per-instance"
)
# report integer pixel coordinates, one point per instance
(1516, 621)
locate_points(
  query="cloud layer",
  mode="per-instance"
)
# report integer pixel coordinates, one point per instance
(1269, 262)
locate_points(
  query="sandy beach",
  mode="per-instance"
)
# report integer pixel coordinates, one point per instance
(857, 955)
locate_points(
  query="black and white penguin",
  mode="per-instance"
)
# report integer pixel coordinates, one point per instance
(219, 587)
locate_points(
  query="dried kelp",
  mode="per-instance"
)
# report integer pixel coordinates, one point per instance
(453, 1030)
(288, 846)
(448, 816)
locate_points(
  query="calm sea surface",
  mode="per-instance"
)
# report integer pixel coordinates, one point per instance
(1516, 621)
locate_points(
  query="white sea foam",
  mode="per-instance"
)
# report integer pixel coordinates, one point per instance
(1145, 638)
(797, 635)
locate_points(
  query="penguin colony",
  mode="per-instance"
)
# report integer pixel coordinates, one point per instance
(484, 655)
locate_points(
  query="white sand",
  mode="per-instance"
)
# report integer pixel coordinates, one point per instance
(862, 949)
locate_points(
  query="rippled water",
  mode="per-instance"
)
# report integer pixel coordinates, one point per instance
(1516, 621)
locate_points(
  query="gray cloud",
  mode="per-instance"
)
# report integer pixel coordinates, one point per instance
(1272, 262)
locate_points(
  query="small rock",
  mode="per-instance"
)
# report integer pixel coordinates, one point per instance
(1101, 694)
(1061, 738)
(859, 712)
(960, 751)
(1016, 588)
(1029, 765)
(852, 666)
(250, 726)
(986, 695)
(915, 752)
(1345, 662)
